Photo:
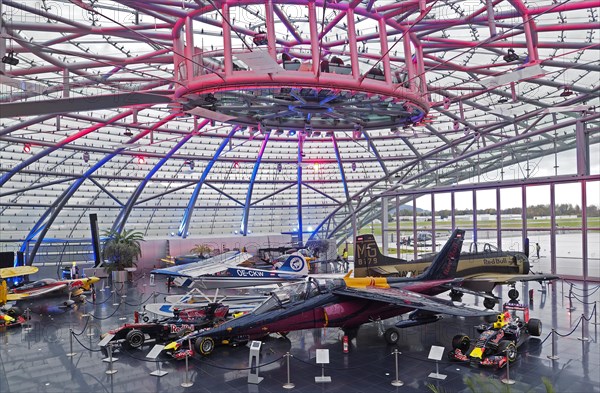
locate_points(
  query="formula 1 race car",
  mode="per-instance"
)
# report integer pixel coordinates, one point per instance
(183, 322)
(11, 318)
(498, 342)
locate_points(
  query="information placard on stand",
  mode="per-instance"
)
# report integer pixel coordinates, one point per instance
(436, 353)
(322, 359)
(153, 354)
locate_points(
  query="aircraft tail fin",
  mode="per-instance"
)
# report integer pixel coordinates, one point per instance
(368, 256)
(445, 263)
(295, 263)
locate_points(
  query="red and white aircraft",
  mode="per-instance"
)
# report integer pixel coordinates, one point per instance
(74, 288)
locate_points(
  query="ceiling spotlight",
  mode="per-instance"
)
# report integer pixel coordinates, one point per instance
(291, 132)
(128, 132)
(354, 166)
(278, 132)
(510, 56)
(26, 148)
(141, 160)
(10, 59)
(566, 92)
(86, 156)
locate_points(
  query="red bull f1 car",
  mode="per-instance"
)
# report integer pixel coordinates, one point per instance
(183, 322)
(498, 342)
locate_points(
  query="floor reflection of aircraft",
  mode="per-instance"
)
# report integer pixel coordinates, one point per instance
(484, 269)
(346, 303)
(224, 271)
(45, 287)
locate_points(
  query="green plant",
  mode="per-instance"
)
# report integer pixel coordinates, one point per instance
(122, 249)
(202, 250)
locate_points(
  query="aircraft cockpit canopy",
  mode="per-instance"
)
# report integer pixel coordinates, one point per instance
(292, 293)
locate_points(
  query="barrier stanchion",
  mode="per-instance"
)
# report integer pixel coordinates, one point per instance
(71, 353)
(553, 356)
(27, 326)
(507, 380)
(115, 297)
(397, 381)
(583, 336)
(90, 333)
(110, 370)
(187, 383)
(595, 314)
(154, 297)
(122, 317)
(289, 384)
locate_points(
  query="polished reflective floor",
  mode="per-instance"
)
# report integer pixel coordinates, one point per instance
(36, 359)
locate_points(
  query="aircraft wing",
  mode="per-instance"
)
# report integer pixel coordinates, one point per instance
(39, 292)
(17, 271)
(13, 297)
(404, 298)
(205, 267)
(501, 279)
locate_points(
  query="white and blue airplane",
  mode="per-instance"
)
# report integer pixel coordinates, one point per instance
(224, 271)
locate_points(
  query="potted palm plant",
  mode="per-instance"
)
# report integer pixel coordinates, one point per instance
(121, 251)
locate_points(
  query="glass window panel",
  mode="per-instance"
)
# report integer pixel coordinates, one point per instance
(568, 206)
(569, 259)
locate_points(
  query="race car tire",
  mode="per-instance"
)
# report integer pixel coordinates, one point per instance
(489, 303)
(134, 338)
(13, 312)
(534, 327)
(509, 349)
(513, 294)
(392, 335)
(204, 345)
(462, 342)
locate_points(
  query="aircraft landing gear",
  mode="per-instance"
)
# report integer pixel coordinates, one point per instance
(455, 296)
(392, 335)
(489, 303)
(513, 294)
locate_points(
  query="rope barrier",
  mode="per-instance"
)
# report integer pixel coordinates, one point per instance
(571, 332)
(80, 343)
(574, 286)
(239, 369)
(144, 302)
(105, 318)
(336, 368)
(591, 314)
(87, 320)
(102, 302)
(581, 301)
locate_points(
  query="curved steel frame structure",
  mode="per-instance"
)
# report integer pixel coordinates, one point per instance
(381, 96)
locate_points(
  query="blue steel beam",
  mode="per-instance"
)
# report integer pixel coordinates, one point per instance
(119, 223)
(43, 224)
(376, 153)
(244, 226)
(189, 210)
(341, 167)
(6, 177)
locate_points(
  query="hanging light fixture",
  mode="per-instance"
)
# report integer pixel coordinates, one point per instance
(26, 148)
